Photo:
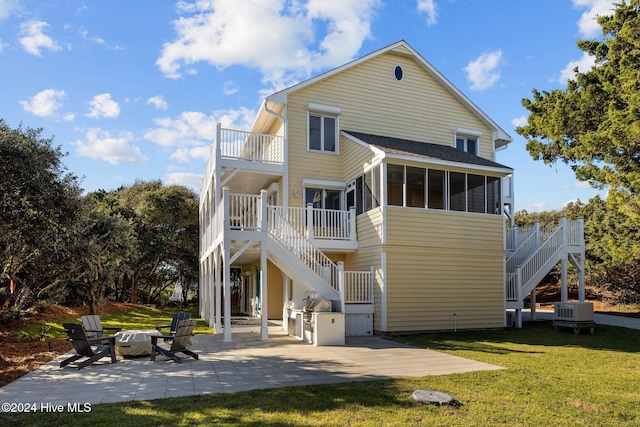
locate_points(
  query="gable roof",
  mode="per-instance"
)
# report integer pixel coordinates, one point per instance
(500, 137)
(436, 153)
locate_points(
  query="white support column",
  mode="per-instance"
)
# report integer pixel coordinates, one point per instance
(286, 297)
(264, 291)
(383, 291)
(226, 265)
(533, 304)
(564, 287)
(309, 214)
(352, 224)
(217, 309)
(341, 284)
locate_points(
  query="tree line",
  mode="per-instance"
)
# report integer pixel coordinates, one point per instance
(593, 125)
(58, 245)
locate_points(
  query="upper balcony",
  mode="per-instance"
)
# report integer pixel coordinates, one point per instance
(246, 161)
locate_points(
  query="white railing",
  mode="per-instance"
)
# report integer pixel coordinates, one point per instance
(250, 146)
(535, 263)
(358, 287)
(328, 224)
(576, 232)
(511, 287)
(516, 236)
(528, 241)
(534, 251)
(244, 212)
(302, 248)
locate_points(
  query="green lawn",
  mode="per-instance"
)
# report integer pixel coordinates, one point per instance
(551, 379)
(145, 318)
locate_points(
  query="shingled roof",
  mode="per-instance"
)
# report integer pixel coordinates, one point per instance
(422, 149)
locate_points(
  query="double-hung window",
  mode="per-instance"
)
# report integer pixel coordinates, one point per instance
(323, 128)
(467, 140)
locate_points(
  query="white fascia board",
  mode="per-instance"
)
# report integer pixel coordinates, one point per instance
(446, 163)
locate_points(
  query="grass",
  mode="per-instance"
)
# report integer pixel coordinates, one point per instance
(145, 318)
(551, 379)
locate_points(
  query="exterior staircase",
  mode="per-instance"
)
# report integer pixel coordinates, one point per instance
(532, 253)
(297, 256)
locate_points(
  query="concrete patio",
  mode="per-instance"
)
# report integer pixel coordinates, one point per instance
(246, 363)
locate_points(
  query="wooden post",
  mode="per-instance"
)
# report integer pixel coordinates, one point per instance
(352, 224)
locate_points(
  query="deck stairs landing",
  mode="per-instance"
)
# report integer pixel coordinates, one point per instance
(532, 252)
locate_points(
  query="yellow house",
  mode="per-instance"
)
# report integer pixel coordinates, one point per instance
(364, 200)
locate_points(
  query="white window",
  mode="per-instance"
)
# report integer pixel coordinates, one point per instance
(468, 144)
(323, 128)
(467, 140)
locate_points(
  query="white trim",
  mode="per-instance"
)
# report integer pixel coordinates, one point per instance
(323, 183)
(383, 291)
(401, 71)
(502, 138)
(323, 116)
(469, 132)
(320, 108)
(446, 163)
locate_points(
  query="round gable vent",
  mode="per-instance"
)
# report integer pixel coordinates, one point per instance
(398, 72)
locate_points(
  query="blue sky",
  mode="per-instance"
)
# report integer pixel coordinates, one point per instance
(133, 89)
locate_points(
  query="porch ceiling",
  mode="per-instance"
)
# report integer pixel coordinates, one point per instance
(247, 181)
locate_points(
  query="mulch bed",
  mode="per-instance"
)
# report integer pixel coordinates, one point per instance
(19, 357)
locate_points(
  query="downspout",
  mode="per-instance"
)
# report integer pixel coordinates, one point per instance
(285, 176)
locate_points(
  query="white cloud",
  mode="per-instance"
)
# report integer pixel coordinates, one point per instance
(482, 72)
(158, 102)
(192, 132)
(584, 64)
(100, 144)
(189, 180)
(96, 39)
(8, 7)
(69, 117)
(103, 106)
(184, 155)
(429, 8)
(588, 24)
(230, 32)
(33, 38)
(577, 184)
(229, 88)
(519, 121)
(44, 103)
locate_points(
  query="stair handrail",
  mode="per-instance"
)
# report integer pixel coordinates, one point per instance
(524, 250)
(287, 235)
(545, 252)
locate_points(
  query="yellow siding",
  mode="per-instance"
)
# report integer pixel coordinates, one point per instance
(440, 264)
(372, 101)
(369, 228)
(356, 158)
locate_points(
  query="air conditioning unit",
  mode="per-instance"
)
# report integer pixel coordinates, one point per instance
(573, 311)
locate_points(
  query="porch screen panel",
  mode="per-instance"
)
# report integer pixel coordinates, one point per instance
(377, 187)
(436, 189)
(493, 195)
(475, 193)
(360, 195)
(395, 181)
(368, 192)
(457, 193)
(415, 187)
